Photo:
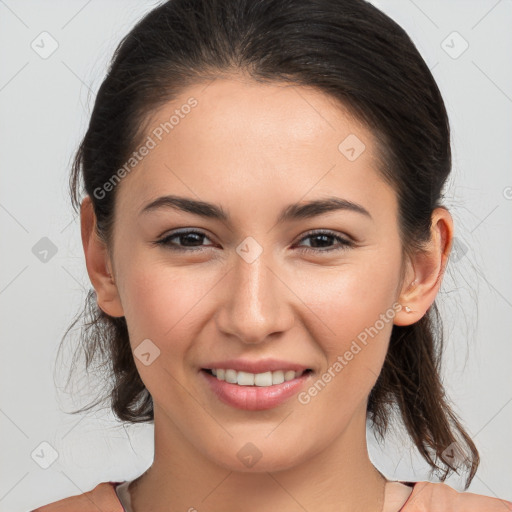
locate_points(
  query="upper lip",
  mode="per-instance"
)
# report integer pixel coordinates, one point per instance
(260, 366)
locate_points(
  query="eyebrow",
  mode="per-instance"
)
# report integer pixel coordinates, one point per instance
(291, 212)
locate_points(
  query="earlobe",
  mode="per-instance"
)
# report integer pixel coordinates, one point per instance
(429, 265)
(408, 314)
(98, 262)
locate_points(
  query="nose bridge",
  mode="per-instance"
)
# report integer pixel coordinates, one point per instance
(256, 304)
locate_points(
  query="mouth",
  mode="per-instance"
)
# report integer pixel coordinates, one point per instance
(254, 391)
(264, 379)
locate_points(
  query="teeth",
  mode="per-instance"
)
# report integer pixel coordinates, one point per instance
(255, 379)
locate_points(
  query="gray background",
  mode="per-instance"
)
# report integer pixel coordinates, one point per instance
(45, 104)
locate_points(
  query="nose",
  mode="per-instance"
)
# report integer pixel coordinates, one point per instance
(257, 302)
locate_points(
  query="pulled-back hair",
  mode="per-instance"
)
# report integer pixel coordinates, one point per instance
(353, 53)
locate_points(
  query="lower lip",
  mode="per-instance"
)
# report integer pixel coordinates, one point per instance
(254, 398)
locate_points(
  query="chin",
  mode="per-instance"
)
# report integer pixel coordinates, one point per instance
(258, 456)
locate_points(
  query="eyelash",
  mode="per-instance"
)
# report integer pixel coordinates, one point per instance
(344, 243)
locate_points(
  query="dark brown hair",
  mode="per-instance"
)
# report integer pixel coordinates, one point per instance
(353, 53)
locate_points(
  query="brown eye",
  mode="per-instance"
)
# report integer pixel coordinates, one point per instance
(189, 240)
(322, 239)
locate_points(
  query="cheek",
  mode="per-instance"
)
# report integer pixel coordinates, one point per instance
(163, 303)
(166, 306)
(354, 303)
(347, 299)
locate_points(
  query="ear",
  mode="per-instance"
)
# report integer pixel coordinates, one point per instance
(98, 262)
(426, 270)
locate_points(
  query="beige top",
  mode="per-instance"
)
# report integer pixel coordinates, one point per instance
(395, 495)
(399, 497)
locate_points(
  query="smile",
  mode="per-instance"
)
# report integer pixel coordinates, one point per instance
(254, 391)
(264, 379)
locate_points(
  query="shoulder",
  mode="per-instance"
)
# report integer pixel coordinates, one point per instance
(103, 497)
(439, 497)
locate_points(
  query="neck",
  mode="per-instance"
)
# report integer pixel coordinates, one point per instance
(340, 478)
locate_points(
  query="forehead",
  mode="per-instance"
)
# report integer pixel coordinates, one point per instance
(255, 142)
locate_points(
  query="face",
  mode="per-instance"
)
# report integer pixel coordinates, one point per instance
(314, 291)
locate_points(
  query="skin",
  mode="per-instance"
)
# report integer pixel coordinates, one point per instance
(254, 149)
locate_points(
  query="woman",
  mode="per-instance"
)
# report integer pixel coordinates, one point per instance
(307, 143)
